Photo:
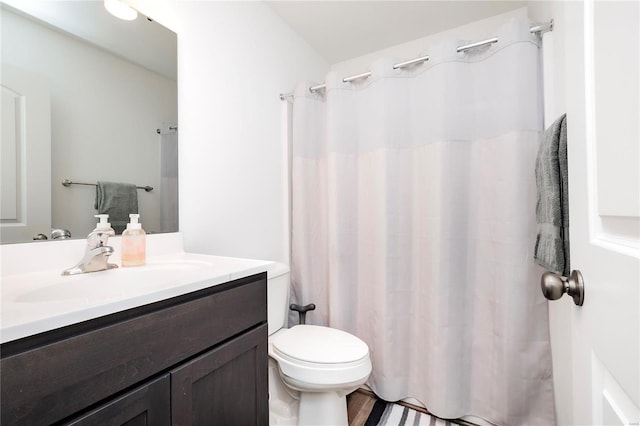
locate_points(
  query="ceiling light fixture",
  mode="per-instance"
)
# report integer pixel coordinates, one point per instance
(121, 10)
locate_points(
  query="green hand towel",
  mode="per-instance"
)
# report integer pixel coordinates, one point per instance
(117, 200)
(552, 208)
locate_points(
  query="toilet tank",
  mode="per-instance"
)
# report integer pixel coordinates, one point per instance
(277, 296)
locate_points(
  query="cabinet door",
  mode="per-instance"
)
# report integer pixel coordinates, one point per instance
(147, 405)
(224, 386)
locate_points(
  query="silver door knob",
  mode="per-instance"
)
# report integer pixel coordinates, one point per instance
(554, 286)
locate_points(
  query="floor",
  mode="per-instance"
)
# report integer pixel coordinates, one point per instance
(360, 403)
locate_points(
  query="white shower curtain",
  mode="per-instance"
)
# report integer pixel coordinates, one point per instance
(169, 179)
(413, 200)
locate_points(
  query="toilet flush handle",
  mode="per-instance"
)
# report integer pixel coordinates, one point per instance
(302, 311)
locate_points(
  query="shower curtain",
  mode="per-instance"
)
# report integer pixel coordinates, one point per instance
(413, 200)
(169, 179)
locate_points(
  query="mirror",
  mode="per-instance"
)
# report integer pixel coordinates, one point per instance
(86, 97)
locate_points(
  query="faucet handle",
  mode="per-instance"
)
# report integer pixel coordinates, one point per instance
(60, 234)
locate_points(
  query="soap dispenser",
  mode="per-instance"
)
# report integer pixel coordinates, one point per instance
(99, 237)
(134, 243)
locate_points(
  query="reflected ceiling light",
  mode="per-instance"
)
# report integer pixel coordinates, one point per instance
(121, 10)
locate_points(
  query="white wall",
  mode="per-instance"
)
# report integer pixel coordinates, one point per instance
(105, 112)
(234, 58)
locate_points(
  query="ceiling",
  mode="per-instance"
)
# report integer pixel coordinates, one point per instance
(142, 41)
(341, 30)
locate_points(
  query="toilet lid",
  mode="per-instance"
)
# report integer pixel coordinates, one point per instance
(321, 345)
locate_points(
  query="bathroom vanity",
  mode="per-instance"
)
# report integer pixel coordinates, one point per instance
(196, 357)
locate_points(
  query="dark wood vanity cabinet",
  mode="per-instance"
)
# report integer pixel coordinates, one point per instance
(196, 359)
(220, 386)
(148, 404)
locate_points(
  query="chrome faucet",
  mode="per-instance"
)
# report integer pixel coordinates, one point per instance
(97, 253)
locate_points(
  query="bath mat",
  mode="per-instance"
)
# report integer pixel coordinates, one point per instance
(390, 414)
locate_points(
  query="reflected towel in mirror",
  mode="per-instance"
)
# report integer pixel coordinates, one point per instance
(117, 200)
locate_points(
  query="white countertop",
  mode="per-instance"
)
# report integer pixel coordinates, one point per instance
(42, 299)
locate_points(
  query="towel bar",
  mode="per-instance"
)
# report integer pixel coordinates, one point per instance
(69, 182)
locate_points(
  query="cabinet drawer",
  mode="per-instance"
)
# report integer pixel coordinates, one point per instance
(48, 383)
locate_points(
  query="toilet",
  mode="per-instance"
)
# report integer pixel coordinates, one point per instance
(311, 368)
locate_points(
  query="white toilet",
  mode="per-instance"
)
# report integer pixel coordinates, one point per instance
(311, 368)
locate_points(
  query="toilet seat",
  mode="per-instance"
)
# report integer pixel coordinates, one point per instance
(320, 356)
(320, 345)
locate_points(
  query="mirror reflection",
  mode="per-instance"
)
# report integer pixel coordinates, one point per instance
(86, 98)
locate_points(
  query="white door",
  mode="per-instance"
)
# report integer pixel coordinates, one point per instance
(25, 156)
(602, 361)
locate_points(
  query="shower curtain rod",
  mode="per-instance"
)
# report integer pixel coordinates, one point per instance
(539, 29)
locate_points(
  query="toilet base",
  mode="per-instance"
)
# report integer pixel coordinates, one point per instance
(290, 407)
(323, 409)
(283, 402)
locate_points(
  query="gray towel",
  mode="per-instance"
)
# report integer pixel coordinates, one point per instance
(552, 207)
(117, 200)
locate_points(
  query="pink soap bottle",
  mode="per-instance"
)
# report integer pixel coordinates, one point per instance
(134, 243)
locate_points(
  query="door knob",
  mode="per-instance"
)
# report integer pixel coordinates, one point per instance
(554, 286)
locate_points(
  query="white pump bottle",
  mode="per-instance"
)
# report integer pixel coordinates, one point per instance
(99, 237)
(134, 243)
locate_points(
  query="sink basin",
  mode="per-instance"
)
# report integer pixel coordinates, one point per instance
(116, 283)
